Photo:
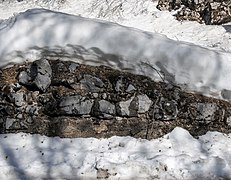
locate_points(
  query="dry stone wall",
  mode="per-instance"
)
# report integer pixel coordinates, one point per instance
(204, 11)
(66, 99)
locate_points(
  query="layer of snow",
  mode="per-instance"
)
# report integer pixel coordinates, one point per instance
(38, 32)
(175, 156)
(141, 14)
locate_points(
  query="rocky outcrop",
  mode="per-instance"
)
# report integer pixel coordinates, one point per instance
(203, 11)
(67, 99)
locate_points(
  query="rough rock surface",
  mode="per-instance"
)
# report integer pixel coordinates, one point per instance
(203, 11)
(66, 99)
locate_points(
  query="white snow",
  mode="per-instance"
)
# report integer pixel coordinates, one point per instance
(203, 66)
(177, 155)
(26, 36)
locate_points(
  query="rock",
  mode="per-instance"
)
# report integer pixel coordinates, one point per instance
(31, 110)
(18, 98)
(75, 105)
(11, 123)
(104, 109)
(144, 103)
(165, 110)
(128, 108)
(105, 103)
(92, 84)
(228, 121)
(205, 112)
(130, 88)
(73, 67)
(203, 11)
(38, 74)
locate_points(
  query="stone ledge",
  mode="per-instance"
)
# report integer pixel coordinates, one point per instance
(67, 99)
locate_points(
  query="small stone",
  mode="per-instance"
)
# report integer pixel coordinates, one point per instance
(130, 88)
(144, 103)
(24, 78)
(104, 109)
(127, 108)
(75, 105)
(92, 84)
(31, 110)
(165, 110)
(95, 95)
(119, 85)
(205, 111)
(38, 74)
(43, 78)
(19, 116)
(228, 121)
(73, 67)
(18, 98)
(10, 122)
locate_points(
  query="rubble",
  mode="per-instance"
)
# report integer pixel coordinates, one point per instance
(204, 11)
(66, 99)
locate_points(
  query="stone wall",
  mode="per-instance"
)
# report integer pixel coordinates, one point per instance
(67, 99)
(203, 11)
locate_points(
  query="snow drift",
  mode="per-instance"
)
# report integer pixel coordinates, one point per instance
(39, 32)
(24, 156)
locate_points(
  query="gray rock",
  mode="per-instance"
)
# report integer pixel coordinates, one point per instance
(128, 108)
(206, 111)
(130, 88)
(104, 109)
(38, 74)
(18, 98)
(228, 121)
(9, 123)
(92, 84)
(144, 103)
(75, 105)
(73, 67)
(119, 85)
(31, 110)
(24, 78)
(44, 73)
(165, 110)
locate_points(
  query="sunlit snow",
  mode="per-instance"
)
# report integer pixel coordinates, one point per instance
(177, 155)
(27, 36)
(35, 33)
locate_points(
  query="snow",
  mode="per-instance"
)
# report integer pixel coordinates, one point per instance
(177, 155)
(190, 54)
(26, 36)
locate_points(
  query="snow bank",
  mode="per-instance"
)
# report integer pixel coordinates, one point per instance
(39, 32)
(175, 156)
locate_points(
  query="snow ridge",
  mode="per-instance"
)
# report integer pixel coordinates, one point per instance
(40, 32)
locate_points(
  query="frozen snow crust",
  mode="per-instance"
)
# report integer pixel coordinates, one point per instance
(177, 155)
(38, 32)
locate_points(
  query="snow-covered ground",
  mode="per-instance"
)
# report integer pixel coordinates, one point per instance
(205, 68)
(38, 33)
(141, 14)
(177, 155)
